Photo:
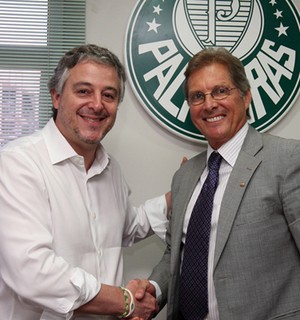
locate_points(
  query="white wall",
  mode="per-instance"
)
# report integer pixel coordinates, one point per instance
(147, 153)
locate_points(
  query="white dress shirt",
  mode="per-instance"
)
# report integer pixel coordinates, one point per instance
(62, 229)
(229, 153)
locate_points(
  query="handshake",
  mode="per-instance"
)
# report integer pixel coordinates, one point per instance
(136, 301)
(142, 303)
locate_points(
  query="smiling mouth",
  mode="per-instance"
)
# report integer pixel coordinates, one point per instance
(214, 119)
(93, 119)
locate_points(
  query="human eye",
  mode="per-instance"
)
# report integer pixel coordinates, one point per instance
(220, 92)
(110, 96)
(196, 97)
(82, 91)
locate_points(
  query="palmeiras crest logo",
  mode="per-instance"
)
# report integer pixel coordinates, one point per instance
(163, 35)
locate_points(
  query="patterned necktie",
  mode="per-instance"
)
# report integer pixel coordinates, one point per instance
(193, 296)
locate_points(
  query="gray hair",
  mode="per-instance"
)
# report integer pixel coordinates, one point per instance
(89, 52)
(220, 55)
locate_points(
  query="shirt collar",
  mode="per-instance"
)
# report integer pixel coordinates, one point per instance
(58, 147)
(231, 149)
(60, 150)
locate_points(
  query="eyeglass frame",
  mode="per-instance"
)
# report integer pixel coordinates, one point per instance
(212, 94)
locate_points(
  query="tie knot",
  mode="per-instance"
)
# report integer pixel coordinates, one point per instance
(214, 161)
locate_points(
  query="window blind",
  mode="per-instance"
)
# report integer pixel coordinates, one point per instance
(33, 37)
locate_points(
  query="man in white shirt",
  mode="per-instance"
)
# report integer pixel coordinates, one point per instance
(252, 269)
(65, 209)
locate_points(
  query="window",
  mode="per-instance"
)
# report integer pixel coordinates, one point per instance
(33, 37)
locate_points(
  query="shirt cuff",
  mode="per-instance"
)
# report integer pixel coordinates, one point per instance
(87, 286)
(156, 210)
(157, 290)
(51, 315)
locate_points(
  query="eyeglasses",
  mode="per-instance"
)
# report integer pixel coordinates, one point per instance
(218, 93)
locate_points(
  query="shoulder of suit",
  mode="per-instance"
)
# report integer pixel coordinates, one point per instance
(280, 144)
(193, 164)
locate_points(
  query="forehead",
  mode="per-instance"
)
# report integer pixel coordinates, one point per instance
(210, 75)
(93, 71)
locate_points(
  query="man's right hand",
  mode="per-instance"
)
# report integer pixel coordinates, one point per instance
(145, 301)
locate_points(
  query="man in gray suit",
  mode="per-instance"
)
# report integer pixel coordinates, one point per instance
(253, 256)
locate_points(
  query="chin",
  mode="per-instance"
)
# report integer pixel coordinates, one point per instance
(91, 139)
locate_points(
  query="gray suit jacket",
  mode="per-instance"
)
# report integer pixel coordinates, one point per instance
(257, 260)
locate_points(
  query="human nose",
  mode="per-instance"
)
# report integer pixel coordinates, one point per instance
(97, 101)
(209, 101)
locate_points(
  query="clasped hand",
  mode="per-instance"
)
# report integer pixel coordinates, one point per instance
(145, 299)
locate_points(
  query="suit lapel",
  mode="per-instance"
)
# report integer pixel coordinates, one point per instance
(190, 177)
(241, 174)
